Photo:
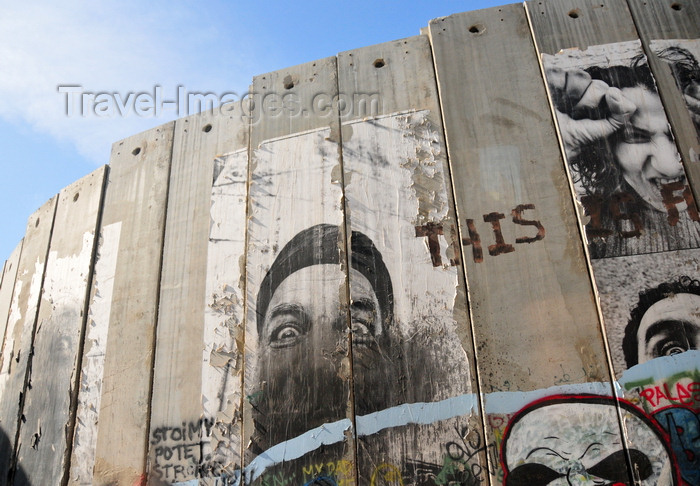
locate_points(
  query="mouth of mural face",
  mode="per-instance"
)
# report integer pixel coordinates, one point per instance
(662, 181)
(362, 334)
(650, 190)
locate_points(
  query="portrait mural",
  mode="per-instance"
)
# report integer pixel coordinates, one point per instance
(333, 342)
(641, 228)
(650, 305)
(620, 150)
(345, 306)
(294, 322)
(665, 321)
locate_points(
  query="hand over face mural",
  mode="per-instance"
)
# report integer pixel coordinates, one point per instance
(621, 153)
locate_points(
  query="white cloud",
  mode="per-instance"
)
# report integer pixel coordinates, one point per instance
(118, 47)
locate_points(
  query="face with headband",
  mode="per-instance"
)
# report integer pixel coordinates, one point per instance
(303, 326)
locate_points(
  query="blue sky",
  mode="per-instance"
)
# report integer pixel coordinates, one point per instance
(132, 46)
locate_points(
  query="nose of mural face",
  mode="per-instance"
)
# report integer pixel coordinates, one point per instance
(578, 476)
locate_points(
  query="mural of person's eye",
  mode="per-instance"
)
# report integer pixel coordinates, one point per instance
(363, 311)
(286, 334)
(671, 347)
(360, 328)
(668, 337)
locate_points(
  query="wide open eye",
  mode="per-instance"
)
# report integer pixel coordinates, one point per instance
(669, 348)
(286, 324)
(364, 316)
(285, 335)
(632, 134)
(360, 328)
(667, 338)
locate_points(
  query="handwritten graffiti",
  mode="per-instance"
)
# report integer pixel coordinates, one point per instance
(186, 431)
(322, 481)
(449, 473)
(683, 427)
(341, 472)
(626, 211)
(386, 475)
(678, 393)
(573, 436)
(433, 231)
(278, 478)
(334, 473)
(181, 452)
(500, 246)
(460, 464)
(497, 423)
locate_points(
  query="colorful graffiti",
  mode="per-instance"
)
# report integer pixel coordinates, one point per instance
(683, 428)
(577, 440)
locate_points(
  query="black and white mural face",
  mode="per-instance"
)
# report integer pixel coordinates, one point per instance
(304, 325)
(650, 305)
(670, 325)
(682, 57)
(294, 317)
(576, 441)
(295, 327)
(621, 154)
(645, 153)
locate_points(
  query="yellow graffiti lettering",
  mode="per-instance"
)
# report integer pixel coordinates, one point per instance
(342, 470)
(386, 475)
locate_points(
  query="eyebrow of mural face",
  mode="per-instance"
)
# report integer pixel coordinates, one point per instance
(552, 452)
(287, 308)
(670, 325)
(589, 448)
(363, 304)
(637, 134)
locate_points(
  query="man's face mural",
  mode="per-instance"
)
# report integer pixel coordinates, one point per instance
(295, 317)
(664, 322)
(576, 441)
(303, 362)
(670, 326)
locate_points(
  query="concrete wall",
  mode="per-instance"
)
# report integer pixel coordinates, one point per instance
(466, 257)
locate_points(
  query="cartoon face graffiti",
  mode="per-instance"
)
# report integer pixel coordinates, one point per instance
(575, 440)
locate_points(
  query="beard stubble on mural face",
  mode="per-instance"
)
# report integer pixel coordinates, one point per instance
(304, 347)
